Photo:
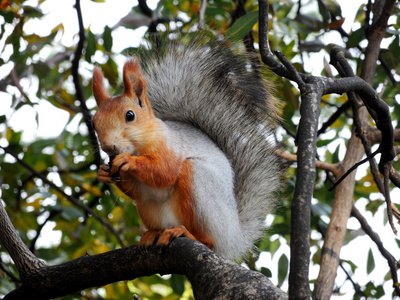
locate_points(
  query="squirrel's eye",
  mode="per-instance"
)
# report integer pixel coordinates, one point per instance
(129, 116)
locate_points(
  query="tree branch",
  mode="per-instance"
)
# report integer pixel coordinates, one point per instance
(344, 192)
(393, 264)
(24, 259)
(223, 279)
(201, 13)
(80, 96)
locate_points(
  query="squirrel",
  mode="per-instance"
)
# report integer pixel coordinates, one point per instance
(191, 141)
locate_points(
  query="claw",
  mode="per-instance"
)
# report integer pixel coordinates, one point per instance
(115, 178)
(119, 168)
(162, 239)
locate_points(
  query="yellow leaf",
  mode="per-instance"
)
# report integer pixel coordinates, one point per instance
(326, 97)
(36, 204)
(9, 134)
(92, 189)
(110, 291)
(81, 251)
(116, 214)
(58, 27)
(33, 38)
(342, 99)
(99, 247)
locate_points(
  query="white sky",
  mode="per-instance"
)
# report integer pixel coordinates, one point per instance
(52, 120)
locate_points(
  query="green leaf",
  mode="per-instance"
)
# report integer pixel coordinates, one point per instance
(307, 24)
(13, 137)
(274, 247)
(242, 26)
(373, 205)
(8, 16)
(70, 213)
(32, 12)
(352, 265)
(335, 155)
(107, 38)
(394, 47)
(356, 37)
(110, 70)
(321, 209)
(283, 267)
(334, 7)
(267, 272)
(323, 10)
(370, 262)
(91, 46)
(177, 284)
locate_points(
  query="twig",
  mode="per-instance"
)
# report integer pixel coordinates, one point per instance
(78, 86)
(202, 11)
(295, 76)
(334, 117)
(265, 50)
(386, 169)
(8, 273)
(68, 197)
(393, 264)
(355, 166)
(319, 164)
(15, 79)
(39, 229)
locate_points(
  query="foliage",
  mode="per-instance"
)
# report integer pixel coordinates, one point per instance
(37, 72)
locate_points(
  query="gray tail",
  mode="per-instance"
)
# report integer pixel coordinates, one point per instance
(209, 86)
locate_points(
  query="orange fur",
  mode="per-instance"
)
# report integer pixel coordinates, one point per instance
(134, 83)
(182, 205)
(99, 93)
(162, 171)
(152, 165)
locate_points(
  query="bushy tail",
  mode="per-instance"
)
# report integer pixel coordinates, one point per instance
(216, 90)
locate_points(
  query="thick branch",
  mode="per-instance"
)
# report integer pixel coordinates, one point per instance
(376, 32)
(301, 205)
(337, 227)
(212, 277)
(344, 193)
(24, 259)
(307, 136)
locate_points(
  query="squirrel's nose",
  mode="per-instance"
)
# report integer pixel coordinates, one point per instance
(111, 150)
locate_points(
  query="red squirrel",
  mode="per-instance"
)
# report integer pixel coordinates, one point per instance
(189, 140)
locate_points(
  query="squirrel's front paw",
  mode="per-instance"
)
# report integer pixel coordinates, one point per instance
(121, 163)
(105, 176)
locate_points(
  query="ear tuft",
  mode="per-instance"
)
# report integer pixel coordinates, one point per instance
(134, 82)
(99, 93)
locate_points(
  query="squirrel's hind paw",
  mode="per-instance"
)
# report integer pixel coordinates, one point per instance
(162, 239)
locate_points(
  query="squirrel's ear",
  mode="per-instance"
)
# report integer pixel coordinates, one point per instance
(99, 93)
(134, 82)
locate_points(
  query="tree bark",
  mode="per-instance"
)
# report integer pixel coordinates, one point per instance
(344, 192)
(212, 277)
